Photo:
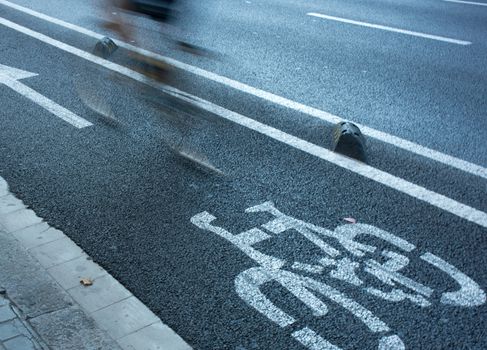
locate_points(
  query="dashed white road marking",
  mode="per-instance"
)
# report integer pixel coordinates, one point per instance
(467, 2)
(391, 29)
(440, 201)
(406, 145)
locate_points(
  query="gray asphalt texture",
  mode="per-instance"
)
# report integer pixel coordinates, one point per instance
(121, 193)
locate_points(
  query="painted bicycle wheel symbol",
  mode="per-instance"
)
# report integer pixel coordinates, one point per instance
(344, 258)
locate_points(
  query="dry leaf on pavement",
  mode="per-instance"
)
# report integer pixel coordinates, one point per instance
(86, 282)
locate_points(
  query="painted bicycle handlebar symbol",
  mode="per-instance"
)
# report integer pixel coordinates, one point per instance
(341, 265)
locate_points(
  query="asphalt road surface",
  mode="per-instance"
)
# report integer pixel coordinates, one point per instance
(254, 252)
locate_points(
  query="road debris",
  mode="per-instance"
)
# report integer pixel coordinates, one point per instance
(350, 220)
(86, 282)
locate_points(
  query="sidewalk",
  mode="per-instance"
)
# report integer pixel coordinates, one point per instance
(15, 334)
(44, 306)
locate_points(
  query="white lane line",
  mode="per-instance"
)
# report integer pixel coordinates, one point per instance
(467, 2)
(10, 77)
(406, 145)
(44, 102)
(391, 29)
(440, 201)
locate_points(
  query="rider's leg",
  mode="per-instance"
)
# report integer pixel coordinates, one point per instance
(114, 12)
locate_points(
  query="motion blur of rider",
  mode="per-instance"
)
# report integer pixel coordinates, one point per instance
(166, 12)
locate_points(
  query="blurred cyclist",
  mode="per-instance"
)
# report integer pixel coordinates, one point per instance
(167, 13)
(163, 11)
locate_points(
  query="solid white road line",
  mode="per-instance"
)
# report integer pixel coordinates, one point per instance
(391, 29)
(282, 101)
(10, 77)
(44, 102)
(440, 201)
(467, 2)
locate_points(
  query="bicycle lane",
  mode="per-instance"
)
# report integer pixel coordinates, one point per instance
(377, 291)
(309, 275)
(144, 215)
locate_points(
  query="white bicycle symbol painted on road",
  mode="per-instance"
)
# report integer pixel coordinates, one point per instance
(343, 265)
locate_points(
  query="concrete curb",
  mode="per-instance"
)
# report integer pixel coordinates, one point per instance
(104, 308)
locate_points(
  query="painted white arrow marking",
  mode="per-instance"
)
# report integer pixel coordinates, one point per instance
(10, 77)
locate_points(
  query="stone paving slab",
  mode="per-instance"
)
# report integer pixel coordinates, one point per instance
(10, 329)
(9, 204)
(71, 272)
(56, 252)
(77, 331)
(149, 338)
(19, 219)
(26, 282)
(14, 334)
(3, 187)
(6, 313)
(36, 235)
(125, 317)
(105, 291)
(20, 343)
